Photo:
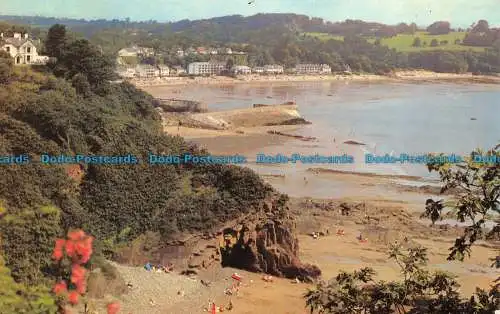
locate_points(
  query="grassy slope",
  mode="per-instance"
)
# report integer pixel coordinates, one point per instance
(324, 36)
(403, 42)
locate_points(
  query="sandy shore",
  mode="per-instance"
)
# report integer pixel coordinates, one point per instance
(173, 293)
(247, 79)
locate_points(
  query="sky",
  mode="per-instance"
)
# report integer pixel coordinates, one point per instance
(461, 13)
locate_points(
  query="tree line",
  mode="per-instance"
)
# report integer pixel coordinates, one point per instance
(279, 38)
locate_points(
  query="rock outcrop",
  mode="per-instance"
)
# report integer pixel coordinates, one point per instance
(251, 117)
(300, 137)
(180, 105)
(262, 241)
(285, 114)
(288, 103)
(267, 243)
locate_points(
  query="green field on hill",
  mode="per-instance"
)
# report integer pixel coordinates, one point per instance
(324, 36)
(403, 42)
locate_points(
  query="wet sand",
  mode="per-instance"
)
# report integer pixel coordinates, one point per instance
(231, 142)
(396, 209)
(302, 180)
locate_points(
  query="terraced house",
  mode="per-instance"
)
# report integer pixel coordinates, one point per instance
(313, 68)
(22, 49)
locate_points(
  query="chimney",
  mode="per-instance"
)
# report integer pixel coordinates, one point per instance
(17, 35)
(1, 35)
(26, 36)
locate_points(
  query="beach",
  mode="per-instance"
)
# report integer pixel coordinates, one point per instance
(391, 220)
(284, 78)
(386, 200)
(248, 79)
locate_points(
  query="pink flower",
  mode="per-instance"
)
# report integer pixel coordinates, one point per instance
(76, 235)
(81, 287)
(77, 274)
(73, 297)
(58, 249)
(113, 308)
(60, 287)
(70, 248)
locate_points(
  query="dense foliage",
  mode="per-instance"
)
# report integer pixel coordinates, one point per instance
(476, 183)
(476, 187)
(77, 110)
(420, 291)
(438, 28)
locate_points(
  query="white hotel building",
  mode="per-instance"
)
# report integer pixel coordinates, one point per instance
(206, 68)
(313, 69)
(274, 69)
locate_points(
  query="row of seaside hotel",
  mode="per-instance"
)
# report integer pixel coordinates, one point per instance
(217, 68)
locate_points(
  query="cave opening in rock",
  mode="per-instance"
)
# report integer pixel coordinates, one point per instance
(236, 252)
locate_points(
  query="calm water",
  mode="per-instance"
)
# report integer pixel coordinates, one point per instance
(390, 118)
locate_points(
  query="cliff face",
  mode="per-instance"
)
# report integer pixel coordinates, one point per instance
(270, 248)
(262, 241)
(265, 242)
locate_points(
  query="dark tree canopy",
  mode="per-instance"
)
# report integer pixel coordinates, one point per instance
(56, 41)
(482, 26)
(417, 42)
(6, 67)
(439, 28)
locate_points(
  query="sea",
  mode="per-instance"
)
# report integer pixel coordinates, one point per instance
(389, 118)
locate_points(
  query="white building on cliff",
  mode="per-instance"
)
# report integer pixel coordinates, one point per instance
(22, 49)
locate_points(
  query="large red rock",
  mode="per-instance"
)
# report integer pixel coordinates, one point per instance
(268, 244)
